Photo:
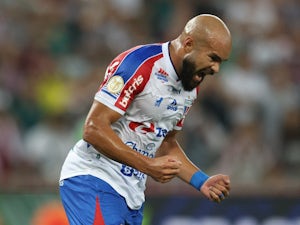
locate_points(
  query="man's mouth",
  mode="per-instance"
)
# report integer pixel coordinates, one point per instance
(201, 77)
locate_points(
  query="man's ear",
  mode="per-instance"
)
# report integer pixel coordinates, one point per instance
(188, 44)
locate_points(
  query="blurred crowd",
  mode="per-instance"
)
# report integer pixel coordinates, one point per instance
(54, 53)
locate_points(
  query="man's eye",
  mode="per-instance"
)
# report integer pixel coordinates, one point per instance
(215, 58)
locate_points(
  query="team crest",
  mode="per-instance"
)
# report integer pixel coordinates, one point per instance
(115, 84)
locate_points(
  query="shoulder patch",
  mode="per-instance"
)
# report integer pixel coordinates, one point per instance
(115, 84)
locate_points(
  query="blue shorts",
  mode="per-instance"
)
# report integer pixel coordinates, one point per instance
(88, 200)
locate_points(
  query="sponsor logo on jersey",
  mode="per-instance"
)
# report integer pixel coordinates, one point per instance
(147, 127)
(162, 75)
(115, 84)
(150, 146)
(158, 102)
(129, 91)
(129, 171)
(161, 132)
(173, 105)
(133, 145)
(142, 127)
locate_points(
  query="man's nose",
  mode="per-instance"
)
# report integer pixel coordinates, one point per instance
(216, 67)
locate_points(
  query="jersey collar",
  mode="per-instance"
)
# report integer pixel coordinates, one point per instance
(169, 65)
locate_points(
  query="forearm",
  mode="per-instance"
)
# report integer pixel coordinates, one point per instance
(189, 172)
(172, 147)
(188, 168)
(215, 188)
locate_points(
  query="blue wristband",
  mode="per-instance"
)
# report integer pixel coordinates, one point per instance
(198, 179)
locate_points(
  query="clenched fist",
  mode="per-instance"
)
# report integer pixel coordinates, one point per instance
(216, 188)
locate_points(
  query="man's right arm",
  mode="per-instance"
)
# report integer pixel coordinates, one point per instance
(98, 133)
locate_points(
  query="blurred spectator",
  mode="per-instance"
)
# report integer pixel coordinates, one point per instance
(247, 158)
(246, 89)
(11, 152)
(253, 17)
(46, 144)
(208, 125)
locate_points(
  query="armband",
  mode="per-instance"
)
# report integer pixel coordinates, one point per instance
(198, 179)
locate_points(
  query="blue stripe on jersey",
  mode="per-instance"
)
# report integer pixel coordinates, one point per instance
(134, 59)
(110, 94)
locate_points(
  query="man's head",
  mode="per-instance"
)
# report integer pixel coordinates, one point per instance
(202, 46)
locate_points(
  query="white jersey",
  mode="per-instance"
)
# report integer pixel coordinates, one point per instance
(142, 85)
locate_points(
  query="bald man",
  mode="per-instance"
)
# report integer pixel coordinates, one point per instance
(130, 130)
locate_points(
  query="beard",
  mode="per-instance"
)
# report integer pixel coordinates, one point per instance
(189, 72)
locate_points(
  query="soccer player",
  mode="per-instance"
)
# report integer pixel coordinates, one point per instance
(130, 131)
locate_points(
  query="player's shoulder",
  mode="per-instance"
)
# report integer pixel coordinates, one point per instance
(140, 53)
(148, 49)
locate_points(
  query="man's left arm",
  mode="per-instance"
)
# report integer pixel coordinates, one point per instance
(215, 188)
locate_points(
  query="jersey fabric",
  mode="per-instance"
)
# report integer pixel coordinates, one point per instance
(141, 84)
